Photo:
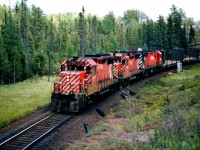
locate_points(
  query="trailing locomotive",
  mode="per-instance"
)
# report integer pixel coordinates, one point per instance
(84, 77)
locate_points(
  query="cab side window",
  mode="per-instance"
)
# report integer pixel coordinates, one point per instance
(70, 68)
(88, 70)
(123, 62)
(62, 68)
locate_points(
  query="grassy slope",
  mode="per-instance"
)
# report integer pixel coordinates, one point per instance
(20, 99)
(163, 115)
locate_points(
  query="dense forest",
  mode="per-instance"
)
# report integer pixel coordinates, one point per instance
(33, 44)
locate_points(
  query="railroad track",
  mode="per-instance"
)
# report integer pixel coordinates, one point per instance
(32, 135)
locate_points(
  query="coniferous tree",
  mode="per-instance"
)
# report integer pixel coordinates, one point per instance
(177, 21)
(13, 47)
(132, 15)
(82, 32)
(39, 64)
(161, 34)
(170, 33)
(121, 37)
(37, 27)
(75, 36)
(129, 38)
(94, 35)
(140, 38)
(143, 34)
(59, 35)
(29, 38)
(50, 46)
(89, 34)
(108, 23)
(150, 34)
(191, 36)
(183, 38)
(3, 62)
(25, 38)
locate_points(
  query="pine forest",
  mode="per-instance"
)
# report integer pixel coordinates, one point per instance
(33, 43)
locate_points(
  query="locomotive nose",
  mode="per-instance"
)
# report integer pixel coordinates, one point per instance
(71, 81)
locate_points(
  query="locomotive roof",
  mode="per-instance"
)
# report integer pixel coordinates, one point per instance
(88, 61)
(100, 57)
(91, 62)
(97, 55)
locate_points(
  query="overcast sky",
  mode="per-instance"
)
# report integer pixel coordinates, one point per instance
(101, 7)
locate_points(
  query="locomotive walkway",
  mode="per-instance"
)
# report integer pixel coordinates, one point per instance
(28, 138)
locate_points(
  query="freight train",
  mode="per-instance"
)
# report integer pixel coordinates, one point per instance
(82, 78)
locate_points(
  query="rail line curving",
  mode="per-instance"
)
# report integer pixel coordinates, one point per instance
(35, 133)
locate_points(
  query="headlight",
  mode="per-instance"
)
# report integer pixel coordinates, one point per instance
(68, 78)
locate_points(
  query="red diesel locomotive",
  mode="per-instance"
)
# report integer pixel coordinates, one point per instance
(83, 77)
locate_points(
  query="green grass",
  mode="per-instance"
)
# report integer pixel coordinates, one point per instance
(173, 113)
(167, 111)
(21, 99)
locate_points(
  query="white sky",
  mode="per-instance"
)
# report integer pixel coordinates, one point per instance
(101, 7)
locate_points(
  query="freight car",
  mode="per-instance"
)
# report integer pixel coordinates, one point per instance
(81, 78)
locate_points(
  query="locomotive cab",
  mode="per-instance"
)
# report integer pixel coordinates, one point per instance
(71, 91)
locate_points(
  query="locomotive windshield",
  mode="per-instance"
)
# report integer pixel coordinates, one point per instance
(79, 68)
(71, 68)
(75, 68)
(75, 65)
(118, 59)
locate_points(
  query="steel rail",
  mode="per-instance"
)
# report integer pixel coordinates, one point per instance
(36, 140)
(31, 129)
(26, 129)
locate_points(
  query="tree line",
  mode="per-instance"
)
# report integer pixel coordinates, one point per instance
(33, 44)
